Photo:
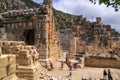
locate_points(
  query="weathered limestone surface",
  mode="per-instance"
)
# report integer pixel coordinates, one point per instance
(8, 67)
(72, 50)
(32, 72)
(24, 62)
(103, 62)
(29, 67)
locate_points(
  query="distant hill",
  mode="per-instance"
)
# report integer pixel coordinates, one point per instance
(63, 20)
(6, 5)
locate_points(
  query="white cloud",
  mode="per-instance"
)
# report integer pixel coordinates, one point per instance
(39, 1)
(89, 10)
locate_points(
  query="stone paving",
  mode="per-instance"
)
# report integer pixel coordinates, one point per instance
(82, 73)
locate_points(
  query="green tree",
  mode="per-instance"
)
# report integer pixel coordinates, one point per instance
(114, 3)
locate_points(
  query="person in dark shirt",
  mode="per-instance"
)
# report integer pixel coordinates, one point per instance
(51, 65)
(109, 75)
(104, 75)
(75, 66)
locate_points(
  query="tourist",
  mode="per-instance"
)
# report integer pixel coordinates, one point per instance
(104, 75)
(75, 66)
(66, 57)
(51, 65)
(68, 63)
(70, 69)
(70, 73)
(62, 64)
(109, 75)
(70, 66)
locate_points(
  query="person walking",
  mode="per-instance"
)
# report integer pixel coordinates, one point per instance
(109, 75)
(70, 69)
(75, 66)
(62, 64)
(51, 65)
(104, 74)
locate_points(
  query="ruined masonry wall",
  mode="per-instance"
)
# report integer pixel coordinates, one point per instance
(8, 67)
(25, 64)
(102, 62)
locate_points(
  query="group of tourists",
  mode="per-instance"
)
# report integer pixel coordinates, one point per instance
(107, 75)
(71, 66)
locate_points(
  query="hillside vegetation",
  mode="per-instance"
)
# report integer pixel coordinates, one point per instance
(64, 20)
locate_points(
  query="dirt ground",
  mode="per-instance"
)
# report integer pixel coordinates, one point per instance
(81, 73)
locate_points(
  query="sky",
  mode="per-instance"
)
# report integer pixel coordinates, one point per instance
(89, 10)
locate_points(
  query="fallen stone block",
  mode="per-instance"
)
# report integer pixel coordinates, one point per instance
(3, 61)
(3, 72)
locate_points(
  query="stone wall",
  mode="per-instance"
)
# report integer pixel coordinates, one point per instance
(18, 30)
(8, 67)
(26, 59)
(65, 36)
(102, 62)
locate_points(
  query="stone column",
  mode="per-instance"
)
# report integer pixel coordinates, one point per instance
(72, 49)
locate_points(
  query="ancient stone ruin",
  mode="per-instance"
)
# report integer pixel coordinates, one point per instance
(95, 38)
(29, 41)
(33, 26)
(20, 60)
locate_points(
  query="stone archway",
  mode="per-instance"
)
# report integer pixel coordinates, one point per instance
(29, 35)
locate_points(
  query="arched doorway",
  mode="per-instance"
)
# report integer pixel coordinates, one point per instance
(29, 35)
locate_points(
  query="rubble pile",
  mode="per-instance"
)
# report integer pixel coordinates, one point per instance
(25, 63)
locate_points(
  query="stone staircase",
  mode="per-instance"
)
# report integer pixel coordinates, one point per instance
(34, 72)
